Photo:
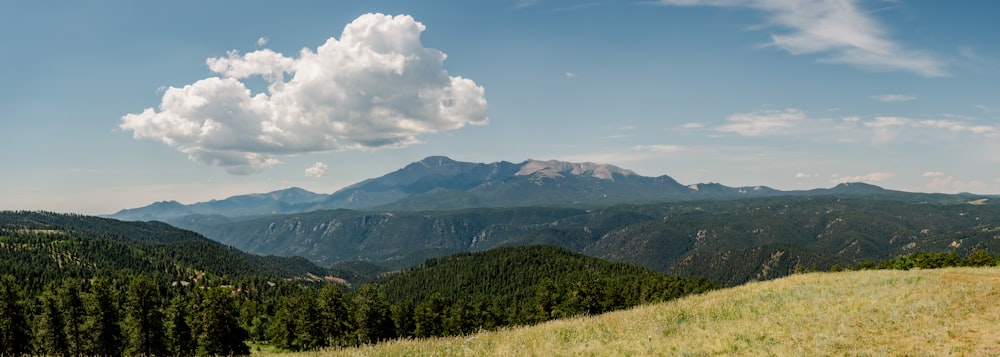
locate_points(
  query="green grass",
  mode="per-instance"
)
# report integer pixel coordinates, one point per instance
(861, 313)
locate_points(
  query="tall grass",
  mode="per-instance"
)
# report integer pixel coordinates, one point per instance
(862, 313)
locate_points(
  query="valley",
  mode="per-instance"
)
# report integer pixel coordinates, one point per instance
(452, 248)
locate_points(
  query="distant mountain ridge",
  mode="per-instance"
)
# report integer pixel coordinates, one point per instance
(243, 205)
(440, 183)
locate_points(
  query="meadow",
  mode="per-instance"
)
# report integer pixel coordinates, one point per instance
(855, 313)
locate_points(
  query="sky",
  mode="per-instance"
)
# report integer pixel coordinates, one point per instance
(108, 105)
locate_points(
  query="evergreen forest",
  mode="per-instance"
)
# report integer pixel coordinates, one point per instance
(78, 285)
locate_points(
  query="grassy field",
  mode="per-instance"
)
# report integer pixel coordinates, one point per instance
(862, 313)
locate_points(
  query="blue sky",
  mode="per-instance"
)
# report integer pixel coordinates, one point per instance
(117, 104)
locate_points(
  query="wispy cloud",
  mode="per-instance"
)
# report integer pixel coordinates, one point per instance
(837, 30)
(802, 175)
(570, 75)
(891, 98)
(951, 184)
(769, 122)
(870, 177)
(932, 174)
(660, 148)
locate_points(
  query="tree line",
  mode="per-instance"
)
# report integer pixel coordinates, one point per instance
(144, 315)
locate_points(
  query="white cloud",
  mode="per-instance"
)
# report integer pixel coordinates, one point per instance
(317, 170)
(570, 75)
(950, 184)
(891, 98)
(660, 148)
(769, 122)
(951, 125)
(882, 122)
(870, 177)
(802, 175)
(375, 87)
(933, 174)
(261, 42)
(838, 30)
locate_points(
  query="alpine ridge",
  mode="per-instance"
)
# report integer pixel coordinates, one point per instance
(440, 183)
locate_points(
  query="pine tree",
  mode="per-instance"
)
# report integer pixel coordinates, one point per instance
(180, 339)
(372, 316)
(283, 327)
(14, 333)
(402, 318)
(49, 337)
(310, 335)
(103, 320)
(335, 315)
(143, 318)
(220, 331)
(429, 316)
(74, 313)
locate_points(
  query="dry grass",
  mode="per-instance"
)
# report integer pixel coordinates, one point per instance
(866, 313)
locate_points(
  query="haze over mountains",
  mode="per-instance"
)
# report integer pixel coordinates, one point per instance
(440, 183)
(437, 207)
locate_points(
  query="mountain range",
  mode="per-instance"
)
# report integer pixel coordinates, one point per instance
(437, 206)
(440, 183)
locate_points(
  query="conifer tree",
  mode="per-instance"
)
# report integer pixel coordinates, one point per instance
(143, 318)
(74, 313)
(429, 316)
(310, 335)
(49, 337)
(283, 327)
(334, 314)
(180, 339)
(14, 333)
(103, 320)
(372, 316)
(220, 331)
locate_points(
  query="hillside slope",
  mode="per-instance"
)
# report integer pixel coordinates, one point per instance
(916, 312)
(729, 242)
(42, 246)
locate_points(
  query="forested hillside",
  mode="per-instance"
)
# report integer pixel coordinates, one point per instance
(77, 285)
(516, 285)
(730, 242)
(42, 247)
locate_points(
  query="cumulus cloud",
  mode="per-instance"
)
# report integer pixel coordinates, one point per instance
(933, 174)
(802, 175)
(768, 122)
(870, 177)
(375, 87)
(838, 30)
(317, 170)
(890, 98)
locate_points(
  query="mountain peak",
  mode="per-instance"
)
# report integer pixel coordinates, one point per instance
(436, 161)
(554, 168)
